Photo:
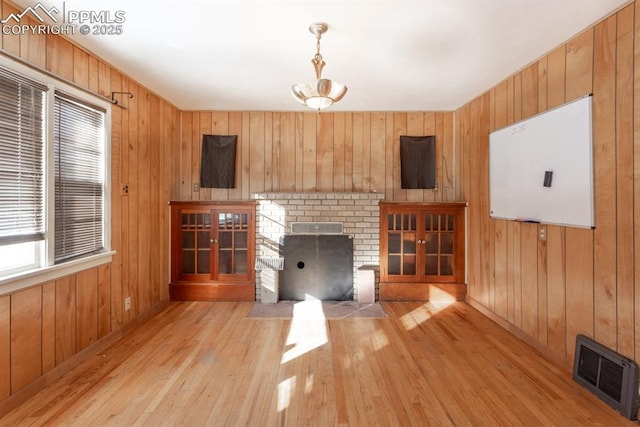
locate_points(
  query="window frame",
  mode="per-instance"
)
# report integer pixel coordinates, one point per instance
(48, 270)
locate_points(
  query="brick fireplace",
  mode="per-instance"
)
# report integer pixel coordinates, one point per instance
(357, 212)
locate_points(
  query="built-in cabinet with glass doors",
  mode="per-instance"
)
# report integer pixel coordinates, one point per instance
(213, 250)
(421, 244)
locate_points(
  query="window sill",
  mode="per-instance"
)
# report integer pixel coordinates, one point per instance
(23, 280)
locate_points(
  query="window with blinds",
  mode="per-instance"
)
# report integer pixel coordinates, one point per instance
(54, 177)
(79, 178)
(22, 139)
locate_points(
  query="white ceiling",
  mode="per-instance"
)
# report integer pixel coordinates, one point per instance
(406, 55)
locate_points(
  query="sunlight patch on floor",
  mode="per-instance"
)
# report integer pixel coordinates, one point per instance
(286, 389)
(379, 340)
(308, 329)
(423, 313)
(308, 384)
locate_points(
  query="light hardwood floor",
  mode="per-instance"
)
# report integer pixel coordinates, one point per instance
(199, 363)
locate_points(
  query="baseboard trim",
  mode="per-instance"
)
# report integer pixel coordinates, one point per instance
(553, 356)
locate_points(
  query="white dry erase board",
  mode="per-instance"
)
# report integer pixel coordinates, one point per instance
(541, 169)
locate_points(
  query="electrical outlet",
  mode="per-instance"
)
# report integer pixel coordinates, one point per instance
(542, 232)
(127, 304)
(196, 187)
(125, 190)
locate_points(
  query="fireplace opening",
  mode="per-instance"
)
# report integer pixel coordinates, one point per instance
(316, 267)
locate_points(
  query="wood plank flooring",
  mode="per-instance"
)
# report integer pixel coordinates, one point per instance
(206, 363)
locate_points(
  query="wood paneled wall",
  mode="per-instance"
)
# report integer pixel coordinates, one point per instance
(577, 281)
(44, 325)
(326, 152)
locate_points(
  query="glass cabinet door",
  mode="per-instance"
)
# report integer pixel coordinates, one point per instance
(439, 244)
(401, 244)
(422, 242)
(195, 234)
(232, 251)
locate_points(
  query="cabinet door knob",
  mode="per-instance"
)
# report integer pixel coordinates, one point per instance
(214, 240)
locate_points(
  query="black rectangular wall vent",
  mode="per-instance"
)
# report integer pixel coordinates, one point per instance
(607, 374)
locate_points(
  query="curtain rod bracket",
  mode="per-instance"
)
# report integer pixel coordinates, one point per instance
(115, 101)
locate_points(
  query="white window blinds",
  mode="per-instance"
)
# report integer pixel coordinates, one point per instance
(22, 104)
(79, 137)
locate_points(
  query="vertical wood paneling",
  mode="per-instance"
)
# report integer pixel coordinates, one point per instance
(357, 152)
(309, 151)
(244, 157)
(26, 337)
(636, 178)
(433, 125)
(324, 154)
(556, 288)
(268, 151)
(288, 165)
(10, 42)
(448, 160)
(399, 128)
(87, 308)
(338, 151)
(48, 326)
(482, 189)
(144, 204)
(256, 152)
(33, 48)
(5, 346)
(170, 185)
(529, 254)
(134, 215)
(60, 57)
(118, 181)
(604, 150)
(529, 99)
(556, 70)
(195, 145)
(80, 67)
(579, 285)
(366, 152)
(579, 66)
(348, 152)
(330, 152)
(389, 155)
(416, 127)
(104, 300)
(624, 180)
(543, 81)
(65, 318)
(155, 196)
(378, 155)
(185, 155)
(104, 80)
(542, 288)
(205, 125)
(94, 74)
(235, 128)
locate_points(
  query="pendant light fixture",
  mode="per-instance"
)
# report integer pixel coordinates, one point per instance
(323, 92)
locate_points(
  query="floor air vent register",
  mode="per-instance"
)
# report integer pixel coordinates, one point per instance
(607, 374)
